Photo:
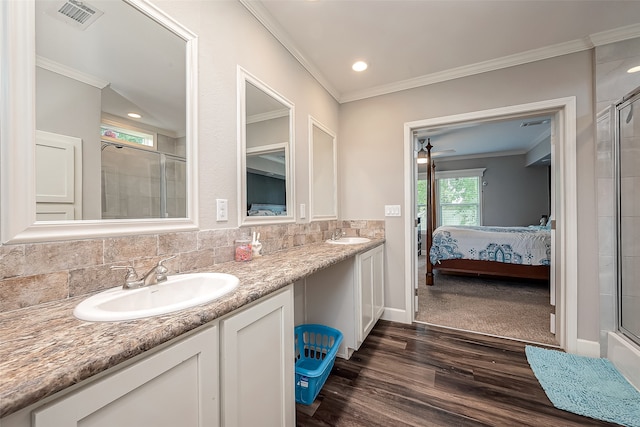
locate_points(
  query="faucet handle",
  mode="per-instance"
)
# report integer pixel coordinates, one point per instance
(167, 259)
(162, 270)
(131, 272)
(161, 265)
(131, 280)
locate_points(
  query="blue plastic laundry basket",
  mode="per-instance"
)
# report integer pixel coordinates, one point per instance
(316, 349)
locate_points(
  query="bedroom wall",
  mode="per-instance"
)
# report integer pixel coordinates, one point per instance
(515, 195)
(371, 134)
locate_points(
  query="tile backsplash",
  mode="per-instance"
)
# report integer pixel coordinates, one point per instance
(36, 273)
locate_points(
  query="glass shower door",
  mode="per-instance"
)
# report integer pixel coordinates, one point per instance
(130, 183)
(628, 146)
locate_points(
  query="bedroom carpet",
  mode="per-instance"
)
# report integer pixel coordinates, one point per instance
(511, 309)
(587, 386)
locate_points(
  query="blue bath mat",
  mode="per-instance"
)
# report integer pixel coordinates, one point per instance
(586, 386)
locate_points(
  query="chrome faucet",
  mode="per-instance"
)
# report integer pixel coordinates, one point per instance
(157, 274)
(337, 234)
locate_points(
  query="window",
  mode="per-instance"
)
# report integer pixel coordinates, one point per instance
(459, 197)
(112, 132)
(421, 199)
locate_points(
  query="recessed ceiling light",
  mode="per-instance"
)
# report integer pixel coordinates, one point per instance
(634, 69)
(134, 115)
(359, 66)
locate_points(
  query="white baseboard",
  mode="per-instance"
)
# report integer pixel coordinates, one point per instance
(396, 315)
(588, 348)
(625, 356)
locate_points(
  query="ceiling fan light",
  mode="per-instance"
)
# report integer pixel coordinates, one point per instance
(422, 157)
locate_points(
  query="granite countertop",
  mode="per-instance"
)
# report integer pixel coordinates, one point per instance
(45, 349)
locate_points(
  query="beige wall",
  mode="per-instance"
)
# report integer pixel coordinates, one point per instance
(56, 94)
(371, 155)
(230, 36)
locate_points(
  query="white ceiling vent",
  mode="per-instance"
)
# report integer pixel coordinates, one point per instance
(78, 13)
(534, 123)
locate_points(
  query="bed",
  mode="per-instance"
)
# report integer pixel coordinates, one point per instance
(514, 252)
(263, 209)
(522, 252)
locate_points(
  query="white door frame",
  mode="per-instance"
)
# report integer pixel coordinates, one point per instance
(564, 155)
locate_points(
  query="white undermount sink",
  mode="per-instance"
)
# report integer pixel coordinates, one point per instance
(349, 240)
(176, 293)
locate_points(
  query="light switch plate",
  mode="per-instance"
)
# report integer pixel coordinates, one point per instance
(303, 211)
(222, 210)
(392, 210)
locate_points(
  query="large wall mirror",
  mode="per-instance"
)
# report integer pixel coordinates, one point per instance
(323, 168)
(266, 129)
(104, 141)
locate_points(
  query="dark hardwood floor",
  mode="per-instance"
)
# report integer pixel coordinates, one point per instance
(420, 375)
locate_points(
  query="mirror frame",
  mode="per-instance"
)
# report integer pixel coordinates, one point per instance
(313, 122)
(244, 77)
(17, 136)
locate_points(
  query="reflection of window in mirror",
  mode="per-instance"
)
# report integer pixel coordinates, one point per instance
(127, 135)
(266, 180)
(323, 171)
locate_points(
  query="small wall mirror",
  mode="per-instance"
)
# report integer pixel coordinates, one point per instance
(322, 171)
(266, 129)
(114, 84)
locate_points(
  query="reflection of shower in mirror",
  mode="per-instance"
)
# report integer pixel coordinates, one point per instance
(138, 183)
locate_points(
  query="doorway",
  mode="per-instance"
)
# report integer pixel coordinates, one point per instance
(500, 183)
(563, 206)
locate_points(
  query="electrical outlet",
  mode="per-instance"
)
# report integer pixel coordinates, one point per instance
(222, 210)
(303, 211)
(392, 210)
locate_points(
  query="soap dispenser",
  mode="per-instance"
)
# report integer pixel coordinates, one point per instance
(256, 246)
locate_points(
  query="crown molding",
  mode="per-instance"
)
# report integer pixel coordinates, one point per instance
(615, 35)
(480, 155)
(72, 73)
(267, 116)
(589, 42)
(265, 18)
(469, 70)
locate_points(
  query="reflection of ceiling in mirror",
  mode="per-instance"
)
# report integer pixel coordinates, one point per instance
(271, 164)
(259, 103)
(142, 61)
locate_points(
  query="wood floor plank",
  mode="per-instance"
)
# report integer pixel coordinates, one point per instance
(421, 375)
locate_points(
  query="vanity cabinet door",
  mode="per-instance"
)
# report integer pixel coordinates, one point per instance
(257, 364)
(377, 276)
(370, 281)
(177, 386)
